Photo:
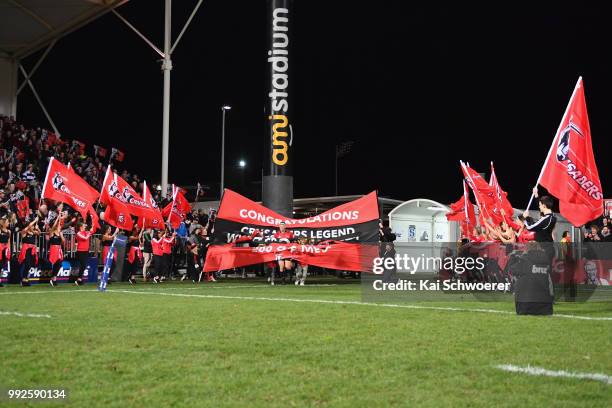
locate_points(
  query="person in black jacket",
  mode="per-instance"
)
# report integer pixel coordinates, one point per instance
(385, 232)
(194, 266)
(543, 227)
(533, 287)
(388, 251)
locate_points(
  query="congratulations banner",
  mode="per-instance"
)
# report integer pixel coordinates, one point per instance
(355, 221)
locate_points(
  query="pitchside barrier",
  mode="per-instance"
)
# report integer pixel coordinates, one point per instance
(69, 247)
(42, 273)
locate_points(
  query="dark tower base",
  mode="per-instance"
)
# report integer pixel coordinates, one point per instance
(277, 194)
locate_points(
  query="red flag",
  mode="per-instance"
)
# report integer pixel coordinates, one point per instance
(463, 212)
(64, 185)
(80, 146)
(152, 221)
(122, 191)
(570, 172)
(484, 194)
(52, 139)
(117, 213)
(92, 192)
(100, 151)
(501, 197)
(23, 208)
(177, 210)
(117, 155)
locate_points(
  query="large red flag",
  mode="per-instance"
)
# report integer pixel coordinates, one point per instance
(64, 185)
(125, 193)
(116, 213)
(92, 192)
(156, 220)
(177, 210)
(570, 172)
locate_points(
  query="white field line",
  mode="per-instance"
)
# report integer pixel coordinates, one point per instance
(211, 286)
(36, 292)
(19, 314)
(551, 373)
(324, 301)
(146, 286)
(347, 302)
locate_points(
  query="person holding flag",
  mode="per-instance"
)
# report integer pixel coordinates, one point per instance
(158, 253)
(543, 227)
(56, 242)
(5, 245)
(107, 241)
(569, 172)
(83, 241)
(134, 255)
(167, 243)
(146, 249)
(28, 256)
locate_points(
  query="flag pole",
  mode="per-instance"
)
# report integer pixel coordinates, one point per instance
(103, 184)
(552, 145)
(42, 194)
(466, 202)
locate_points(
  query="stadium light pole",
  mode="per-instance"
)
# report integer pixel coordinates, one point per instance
(224, 109)
(166, 67)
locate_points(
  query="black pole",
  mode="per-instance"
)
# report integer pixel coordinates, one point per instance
(277, 183)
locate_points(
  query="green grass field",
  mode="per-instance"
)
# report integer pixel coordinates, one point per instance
(248, 344)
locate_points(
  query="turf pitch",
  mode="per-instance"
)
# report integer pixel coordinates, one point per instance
(249, 344)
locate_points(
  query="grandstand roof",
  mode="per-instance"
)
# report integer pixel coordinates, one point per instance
(28, 25)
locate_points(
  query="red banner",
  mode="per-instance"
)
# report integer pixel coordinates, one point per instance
(570, 172)
(354, 221)
(330, 254)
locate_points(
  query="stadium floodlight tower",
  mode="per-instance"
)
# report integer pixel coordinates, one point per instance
(166, 66)
(277, 183)
(224, 109)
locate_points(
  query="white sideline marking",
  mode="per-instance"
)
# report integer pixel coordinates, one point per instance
(337, 302)
(18, 314)
(550, 373)
(348, 302)
(213, 286)
(35, 292)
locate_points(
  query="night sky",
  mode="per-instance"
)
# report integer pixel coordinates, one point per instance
(416, 87)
